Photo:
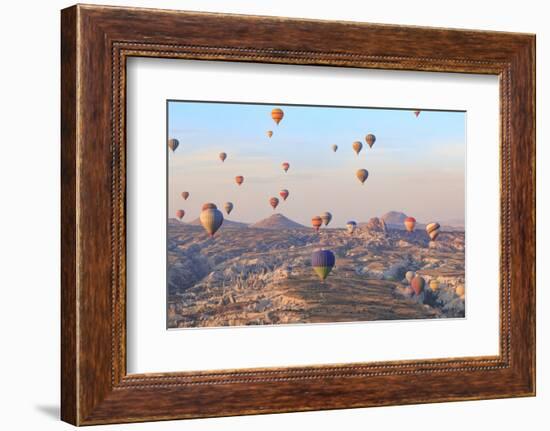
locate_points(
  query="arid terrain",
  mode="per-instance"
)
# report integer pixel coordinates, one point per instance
(261, 274)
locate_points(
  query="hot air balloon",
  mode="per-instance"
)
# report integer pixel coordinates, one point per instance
(362, 175)
(185, 195)
(371, 139)
(208, 206)
(335, 148)
(211, 219)
(180, 214)
(173, 144)
(326, 217)
(269, 133)
(285, 166)
(434, 284)
(316, 222)
(459, 290)
(357, 147)
(273, 202)
(416, 113)
(222, 157)
(410, 223)
(433, 230)
(239, 179)
(277, 114)
(228, 206)
(417, 284)
(409, 275)
(322, 262)
(351, 226)
(284, 194)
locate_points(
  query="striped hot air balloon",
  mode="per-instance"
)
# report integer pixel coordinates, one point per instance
(285, 166)
(180, 214)
(371, 139)
(433, 230)
(273, 201)
(410, 223)
(173, 144)
(269, 133)
(322, 262)
(277, 115)
(185, 195)
(316, 222)
(326, 217)
(417, 284)
(228, 207)
(211, 219)
(239, 179)
(335, 148)
(351, 226)
(362, 175)
(222, 156)
(357, 147)
(284, 194)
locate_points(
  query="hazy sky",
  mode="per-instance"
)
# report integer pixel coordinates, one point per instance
(416, 166)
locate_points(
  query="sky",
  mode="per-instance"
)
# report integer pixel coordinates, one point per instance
(416, 166)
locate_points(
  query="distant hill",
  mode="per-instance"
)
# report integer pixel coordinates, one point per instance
(277, 221)
(394, 217)
(226, 223)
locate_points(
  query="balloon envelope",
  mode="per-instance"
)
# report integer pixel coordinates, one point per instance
(208, 206)
(273, 202)
(180, 214)
(410, 223)
(284, 194)
(173, 144)
(228, 206)
(362, 175)
(409, 275)
(269, 133)
(351, 226)
(285, 166)
(433, 230)
(417, 284)
(335, 148)
(326, 217)
(239, 179)
(211, 220)
(434, 284)
(277, 115)
(316, 222)
(223, 156)
(185, 195)
(357, 147)
(322, 262)
(371, 139)
(416, 113)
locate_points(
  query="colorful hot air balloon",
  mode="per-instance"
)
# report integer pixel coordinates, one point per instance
(351, 226)
(208, 206)
(326, 217)
(409, 275)
(239, 179)
(173, 144)
(269, 133)
(410, 223)
(417, 284)
(322, 262)
(277, 114)
(371, 139)
(273, 202)
(335, 148)
(459, 290)
(211, 219)
(228, 207)
(222, 157)
(285, 166)
(433, 230)
(185, 195)
(357, 147)
(316, 222)
(362, 175)
(434, 284)
(284, 194)
(180, 214)
(416, 113)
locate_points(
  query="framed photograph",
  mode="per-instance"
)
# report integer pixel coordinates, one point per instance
(317, 215)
